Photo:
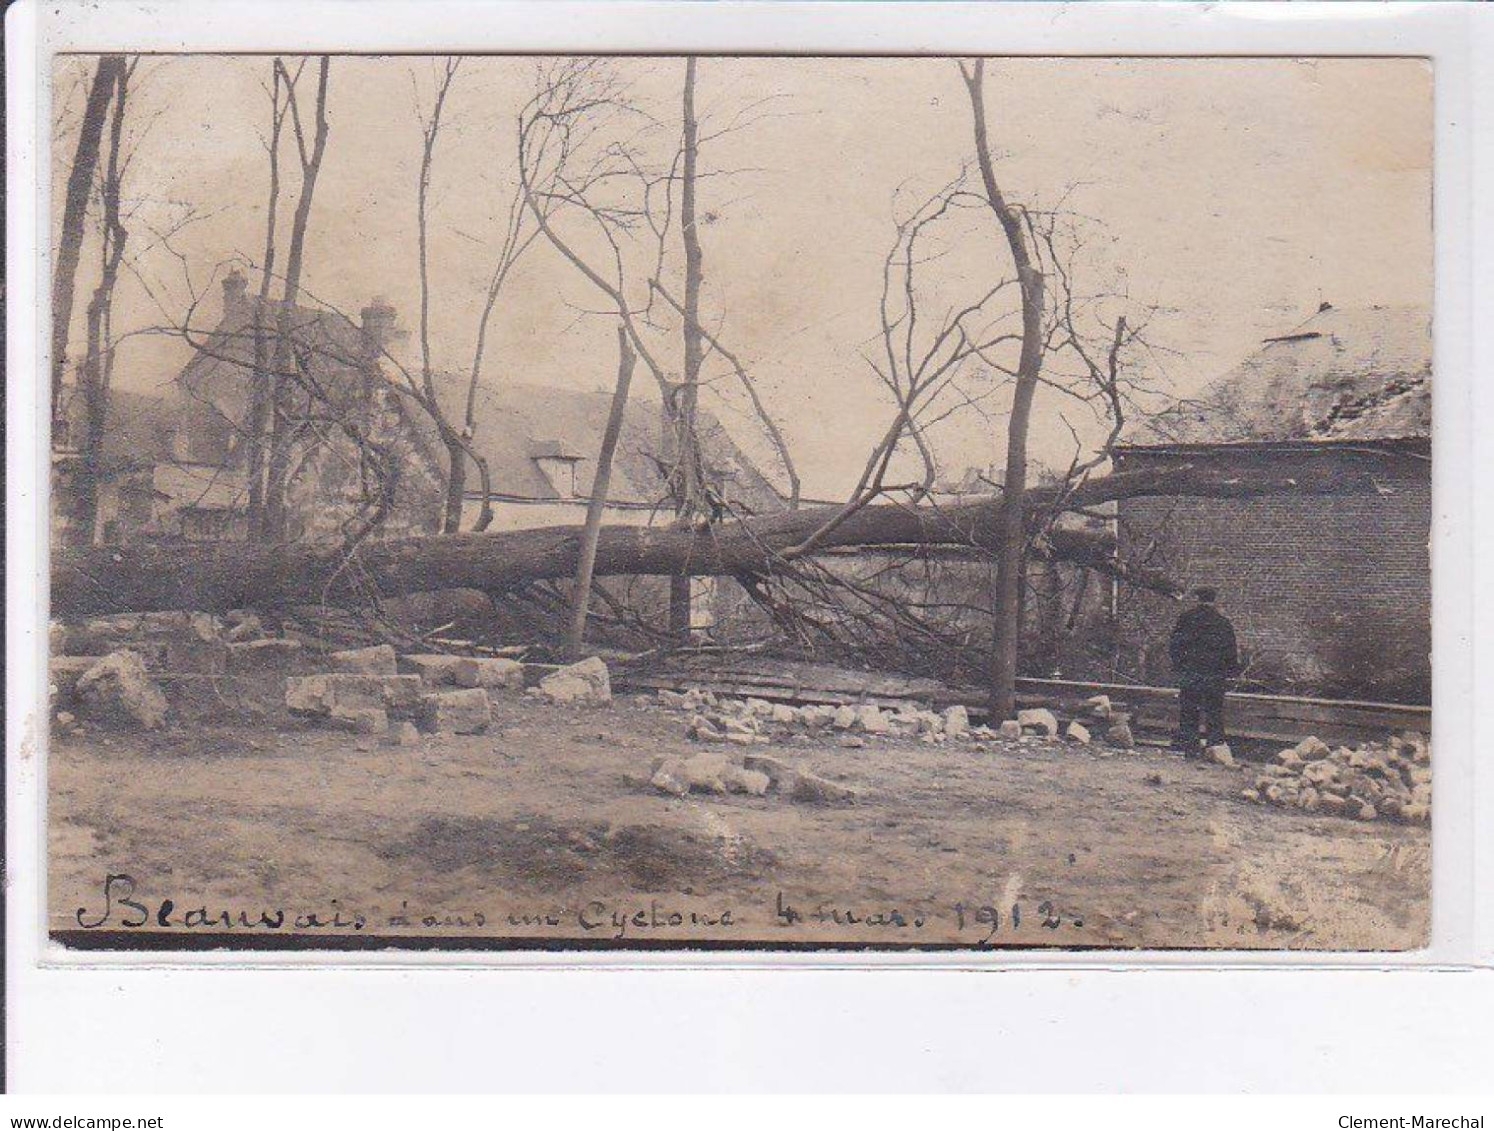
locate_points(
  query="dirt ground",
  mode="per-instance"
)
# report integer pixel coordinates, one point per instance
(546, 829)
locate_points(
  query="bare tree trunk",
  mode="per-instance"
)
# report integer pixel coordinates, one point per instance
(456, 486)
(601, 484)
(456, 449)
(219, 576)
(97, 365)
(259, 381)
(1012, 551)
(311, 164)
(687, 469)
(75, 207)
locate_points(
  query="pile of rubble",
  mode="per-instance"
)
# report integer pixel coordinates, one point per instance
(438, 694)
(1392, 779)
(133, 670)
(114, 690)
(750, 722)
(757, 775)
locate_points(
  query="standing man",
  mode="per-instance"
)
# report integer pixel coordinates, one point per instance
(1204, 656)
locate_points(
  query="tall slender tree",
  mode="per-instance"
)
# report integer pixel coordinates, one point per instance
(310, 155)
(682, 445)
(600, 486)
(1011, 550)
(98, 361)
(456, 447)
(260, 384)
(74, 210)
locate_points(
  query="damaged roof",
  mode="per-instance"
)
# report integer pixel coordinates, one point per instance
(1352, 374)
(520, 424)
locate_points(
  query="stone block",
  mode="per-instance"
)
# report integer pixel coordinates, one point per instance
(378, 660)
(117, 690)
(488, 672)
(1039, 719)
(457, 712)
(586, 684)
(434, 669)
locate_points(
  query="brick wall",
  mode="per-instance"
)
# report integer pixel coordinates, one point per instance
(1329, 594)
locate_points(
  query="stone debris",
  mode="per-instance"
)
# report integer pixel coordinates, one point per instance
(1312, 749)
(456, 712)
(378, 660)
(317, 695)
(701, 730)
(1391, 779)
(700, 772)
(63, 673)
(956, 722)
(746, 724)
(754, 783)
(1221, 754)
(707, 772)
(776, 771)
(695, 699)
(818, 716)
(117, 690)
(1039, 719)
(402, 732)
(243, 626)
(815, 790)
(754, 721)
(359, 720)
(666, 782)
(494, 672)
(1098, 706)
(586, 684)
(755, 775)
(435, 669)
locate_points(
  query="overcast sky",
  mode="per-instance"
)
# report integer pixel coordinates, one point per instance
(1235, 195)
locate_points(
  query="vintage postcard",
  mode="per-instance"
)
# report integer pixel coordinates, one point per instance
(740, 503)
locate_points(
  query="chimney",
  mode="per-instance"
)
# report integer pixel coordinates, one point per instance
(378, 326)
(235, 287)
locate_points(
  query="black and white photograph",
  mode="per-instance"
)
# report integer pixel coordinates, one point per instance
(740, 502)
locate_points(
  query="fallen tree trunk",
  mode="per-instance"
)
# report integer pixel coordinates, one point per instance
(225, 575)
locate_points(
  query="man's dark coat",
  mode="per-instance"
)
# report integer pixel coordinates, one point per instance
(1203, 648)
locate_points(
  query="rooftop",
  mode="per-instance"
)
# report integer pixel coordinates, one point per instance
(519, 424)
(1352, 374)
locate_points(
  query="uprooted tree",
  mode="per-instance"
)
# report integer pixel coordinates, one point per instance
(222, 576)
(586, 196)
